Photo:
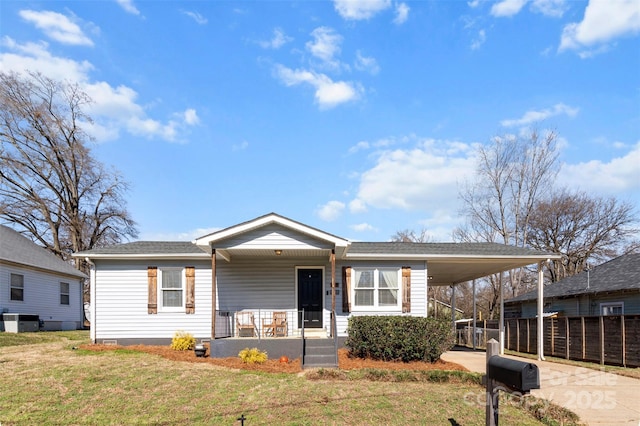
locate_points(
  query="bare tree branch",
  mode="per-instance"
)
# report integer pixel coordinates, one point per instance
(51, 187)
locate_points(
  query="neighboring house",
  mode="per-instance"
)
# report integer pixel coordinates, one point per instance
(612, 288)
(34, 281)
(236, 281)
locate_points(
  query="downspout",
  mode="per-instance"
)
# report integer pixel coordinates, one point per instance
(92, 300)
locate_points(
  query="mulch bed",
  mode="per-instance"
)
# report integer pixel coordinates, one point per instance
(345, 362)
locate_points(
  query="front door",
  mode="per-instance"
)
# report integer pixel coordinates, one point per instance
(310, 297)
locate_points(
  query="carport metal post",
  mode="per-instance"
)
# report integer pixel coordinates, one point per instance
(501, 314)
(474, 314)
(540, 311)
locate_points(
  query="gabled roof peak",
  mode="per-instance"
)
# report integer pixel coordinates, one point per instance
(265, 220)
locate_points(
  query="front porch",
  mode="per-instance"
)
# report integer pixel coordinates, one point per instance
(278, 333)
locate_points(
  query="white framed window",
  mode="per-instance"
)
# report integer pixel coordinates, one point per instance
(377, 288)
(64, 293)
(17, 288)
(612, 308)
(171, 295)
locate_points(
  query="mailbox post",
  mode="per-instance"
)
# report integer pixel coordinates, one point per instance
(507, 375)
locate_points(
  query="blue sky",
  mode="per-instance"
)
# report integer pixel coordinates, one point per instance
(359, 118)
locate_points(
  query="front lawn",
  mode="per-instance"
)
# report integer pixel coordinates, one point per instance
(53, 383)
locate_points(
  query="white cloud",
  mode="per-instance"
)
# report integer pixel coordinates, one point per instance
(402, 14)
(57, 26)
(551, 8)
(36, 57)
(618, 176)
(325, 45)
(357, 206)
(331, 211)
(128, 6)
(359, 146)
(328, 93)
(479, 40)
(201, 20)
(365, 63)
(507, 7)
(362, 227)
(603, 21)
(531, 117)
(278, 40)
(241, 146)
(421, 177)
(191, 117)
(114, 109)
(360, 9)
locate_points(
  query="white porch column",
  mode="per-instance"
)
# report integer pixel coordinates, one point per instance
(473, 284)
(213, 294)
(540, 311)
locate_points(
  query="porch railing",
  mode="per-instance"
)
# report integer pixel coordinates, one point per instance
(227, 323)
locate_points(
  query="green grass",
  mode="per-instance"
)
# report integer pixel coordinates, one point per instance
(17, 339)
(51, 383)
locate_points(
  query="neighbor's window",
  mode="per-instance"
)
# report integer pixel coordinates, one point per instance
(612, 308)
(171, 290)
(17, 287)
(64, 293)
(376, 288)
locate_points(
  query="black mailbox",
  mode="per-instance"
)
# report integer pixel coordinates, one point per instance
(516, 375)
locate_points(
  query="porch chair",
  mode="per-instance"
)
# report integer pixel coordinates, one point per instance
(276, 326)
(245, 324)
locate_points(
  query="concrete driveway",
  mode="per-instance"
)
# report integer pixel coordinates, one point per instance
(599, 398)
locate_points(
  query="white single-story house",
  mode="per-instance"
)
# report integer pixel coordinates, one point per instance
(33, 281)
(271, 279)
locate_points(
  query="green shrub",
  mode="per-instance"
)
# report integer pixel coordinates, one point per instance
(253, 356)
(183, 341)
(399, 338)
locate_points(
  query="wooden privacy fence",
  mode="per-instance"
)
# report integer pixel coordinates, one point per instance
(611, 339)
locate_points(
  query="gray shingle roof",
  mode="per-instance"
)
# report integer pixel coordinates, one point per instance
(619, 274)
(18, 249)
(147, 248)
(441, 249)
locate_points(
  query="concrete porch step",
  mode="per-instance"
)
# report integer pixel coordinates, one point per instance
(319, 353)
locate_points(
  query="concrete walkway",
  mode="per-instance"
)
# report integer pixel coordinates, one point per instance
(599, 398)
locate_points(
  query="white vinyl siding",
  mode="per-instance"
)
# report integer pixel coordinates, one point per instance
(42, 297)
(274, 237)
(251, 284)
(121, 300)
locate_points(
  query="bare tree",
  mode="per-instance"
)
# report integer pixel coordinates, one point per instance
(411, 236)
(581, 228)
(51, 187)
(511, 174)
